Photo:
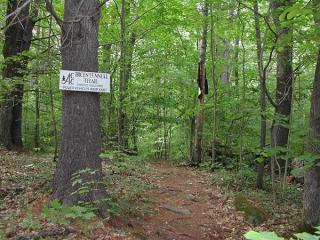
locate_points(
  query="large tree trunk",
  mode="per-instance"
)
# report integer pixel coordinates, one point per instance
(262, 82)
(280, 126)
(312, 176)
(81, 137)
(197, 145)
(18, 37)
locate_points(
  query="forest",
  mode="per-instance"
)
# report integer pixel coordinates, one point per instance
(160, 119)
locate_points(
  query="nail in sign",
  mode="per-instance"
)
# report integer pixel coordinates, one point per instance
(84, 81)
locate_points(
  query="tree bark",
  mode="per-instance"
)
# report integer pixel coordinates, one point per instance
(262, 82)
(312, 176)
(18, 37)
(280, 126)
(122, 138)
(81, 137)
(196, 157)
(51, 97)
(127, 48)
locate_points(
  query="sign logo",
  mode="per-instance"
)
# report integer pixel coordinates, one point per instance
(67, 80)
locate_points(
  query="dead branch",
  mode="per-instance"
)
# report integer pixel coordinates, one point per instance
(51, 232)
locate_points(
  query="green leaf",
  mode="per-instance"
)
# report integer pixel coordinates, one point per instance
(55, 204)
(78, 209)
(252, 235)
(306, 236)
(62, 221)
(88, 215)
(71, 215)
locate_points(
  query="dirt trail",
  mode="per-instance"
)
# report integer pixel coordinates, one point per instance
(186, 205)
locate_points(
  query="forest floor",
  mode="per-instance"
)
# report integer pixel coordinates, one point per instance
(187, 205)
(148, 200)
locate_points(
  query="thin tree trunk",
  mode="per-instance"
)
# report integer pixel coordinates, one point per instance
(123, 81)
(243, 94)
(226, 55)
(192, 125)
(37, 116)
(51, 96)
(214, 85)
(81, 136)
(165, 133)
(37, 102)
(263, 104)
(18, 37)
(280, 126)
(236, 60)
(197, 145)
(227, 52)
(127, 49)
(111, 130)
(107, 61)
(312, 176)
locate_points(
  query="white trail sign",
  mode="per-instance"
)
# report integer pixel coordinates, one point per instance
(84, 81)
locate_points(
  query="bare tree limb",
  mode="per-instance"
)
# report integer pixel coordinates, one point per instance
(18, 10)
(264, 73)
(265, 18)
(51, 10)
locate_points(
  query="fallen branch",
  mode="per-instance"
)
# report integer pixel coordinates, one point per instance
(52, 232)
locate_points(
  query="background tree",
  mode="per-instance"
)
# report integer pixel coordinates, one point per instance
(20, 22)
(312, 176)
(203, 88)
(285, 75)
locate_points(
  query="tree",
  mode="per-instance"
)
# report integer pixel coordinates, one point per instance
(18, 35)
(203, 87)
(262, 82)
(127, 43)
(81, 139)
(312, 176)
(283, 103)
(123, 81)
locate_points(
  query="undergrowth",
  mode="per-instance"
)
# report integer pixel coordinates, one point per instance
(25, 183)
(282, 208)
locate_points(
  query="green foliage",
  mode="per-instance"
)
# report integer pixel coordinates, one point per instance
(62, 214)
(306, 236)
(83, 187)
(252, 235)
(114, 208)
(253, 214)
(30, 224)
